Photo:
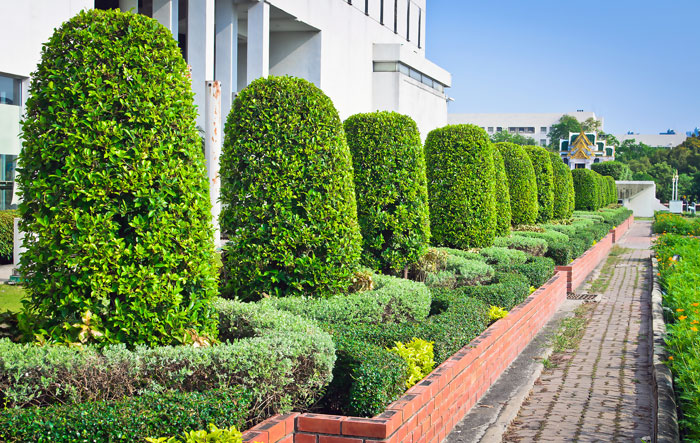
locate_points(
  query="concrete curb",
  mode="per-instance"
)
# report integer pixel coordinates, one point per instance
(665, 418)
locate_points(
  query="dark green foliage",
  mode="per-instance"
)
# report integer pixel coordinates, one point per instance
(530, 245)
(611, 189)
(557, 245)
(617, 170)
(503, 215)
(522, 184)
(563, 188)
(510, 290)
(537, 270)
(544, 177)
(587, 189)
(463, 254)
(503, 256)
(115, 199)
(601, 190)
(461, 186)
(288, 195)
(390, 187)
(130, 419)
(285, 360)
(7, 230)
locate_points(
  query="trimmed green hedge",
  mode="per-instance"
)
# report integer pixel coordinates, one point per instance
(461, 179)
(499, 256)
(115, 201)
(558, 247)
(390, 187)
(611, 190)
(460, 271)
(530, 245)
(287, 192)
(7, 235)
(562, 207)
(544, 177)
(587, 189)
(617, 170)
(522, 184)
(503, 215)
(130, 419)
(283, 359)
(537, 270)
(510, 289)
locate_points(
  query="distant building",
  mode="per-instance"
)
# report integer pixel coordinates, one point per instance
(582, 150)
(665, 140)
(694, 133)
(536, 126)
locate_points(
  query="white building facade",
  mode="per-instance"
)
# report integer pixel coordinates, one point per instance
(654, 140)
(536, 126)
(366, 55)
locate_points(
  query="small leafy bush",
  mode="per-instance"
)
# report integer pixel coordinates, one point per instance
(461, 178)
(537, 270)
(283, 359)
(115, 202)
(467, 255)
(563, 204)
(557, 245)
(418, 355)
(544, 177)
(287, 193)
(615, 169)
(469, 272)
(129, 419)
(503, 256)
(432, 261)
(530, 245)
(509, 290)
(442, 279)
(7, 235)
(522, 184)
(496, 313)
(587, 189)
(213, 435)
(503, 214)
(390, 187)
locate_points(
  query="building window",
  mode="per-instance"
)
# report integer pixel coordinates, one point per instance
(543, 129)
(530, 130)
(543, 142)
(406, 70)
(499, 129)
(9, 91)
(490, 128)
(580, 166)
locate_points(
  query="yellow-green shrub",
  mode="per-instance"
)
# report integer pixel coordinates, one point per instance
(419, 355)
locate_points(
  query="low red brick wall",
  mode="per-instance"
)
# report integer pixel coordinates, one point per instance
(431, 409)
(577, 271)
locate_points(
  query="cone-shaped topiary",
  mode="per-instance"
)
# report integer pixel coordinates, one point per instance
(522, 183)
(390, 187)
(503, 215)
(544, 177)
(563, 188)
(587, 188)
(287, 194)
(461, 190)
(116, 204)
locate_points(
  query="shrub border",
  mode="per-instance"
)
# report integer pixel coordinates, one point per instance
(665, 415)
(430, 410)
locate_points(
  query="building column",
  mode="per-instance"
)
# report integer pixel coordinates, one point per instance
(226, 57)
(126, 5)
(258, 41)
(200, 50)
(212, 152)
(166, 12)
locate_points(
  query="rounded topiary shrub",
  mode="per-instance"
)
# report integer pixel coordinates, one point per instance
(615, 169)
(522, 183)
(390, 187)
(116, 204)
(544, 177)
(503, 215)
(587, 189)
(461, 178)
(562, 206)
(287, 193)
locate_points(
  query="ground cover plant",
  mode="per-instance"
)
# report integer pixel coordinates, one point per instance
(679, 270)
(287, 192)
(115, 254)
(461, 176)
(391, 190)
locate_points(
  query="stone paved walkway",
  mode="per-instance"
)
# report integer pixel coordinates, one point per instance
(601, 391)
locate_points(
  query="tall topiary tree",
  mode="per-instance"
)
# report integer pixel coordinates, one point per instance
(116, 205)
(461, 178)
(522, 183)
(616, 169)
(544, 177)
(288, 200)
(503, 215)
(602, 192)
(612, 189)
(390, 187)
(587, 189)
(563, 188)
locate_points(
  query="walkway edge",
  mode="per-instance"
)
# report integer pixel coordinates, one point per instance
(665, 419)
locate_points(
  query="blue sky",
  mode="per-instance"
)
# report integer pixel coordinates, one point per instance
(636, 63)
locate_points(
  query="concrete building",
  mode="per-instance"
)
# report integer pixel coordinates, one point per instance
(640, 197)
(536, 126)
(654, 140)
(366, 55)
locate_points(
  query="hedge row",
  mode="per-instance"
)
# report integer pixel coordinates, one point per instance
(593, 191)
(544, 177)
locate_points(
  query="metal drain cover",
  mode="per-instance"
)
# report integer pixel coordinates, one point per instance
(575, 296)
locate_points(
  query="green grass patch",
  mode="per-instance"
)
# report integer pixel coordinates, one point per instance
(571, 330)
(11, 297)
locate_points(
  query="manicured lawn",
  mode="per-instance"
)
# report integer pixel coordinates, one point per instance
(11, 297)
